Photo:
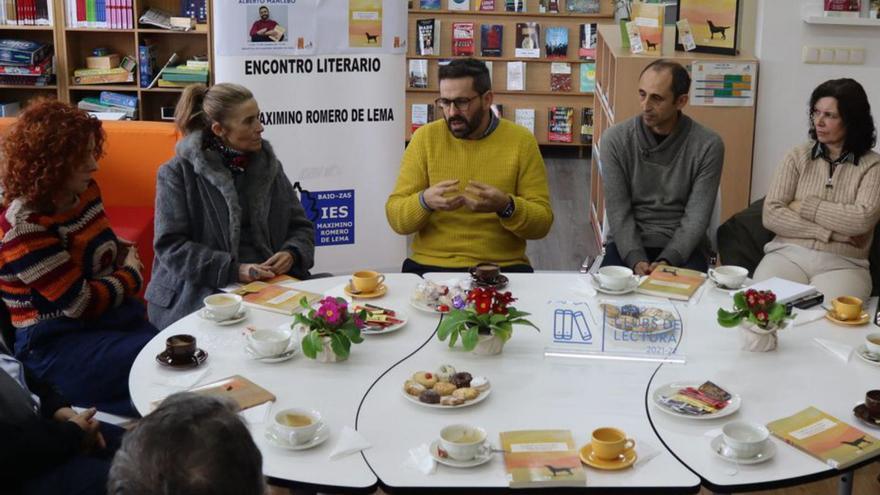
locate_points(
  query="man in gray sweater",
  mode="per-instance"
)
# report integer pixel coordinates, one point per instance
(660, 175)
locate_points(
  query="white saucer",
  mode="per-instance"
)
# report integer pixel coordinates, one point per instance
(482, 458)
(400, 315)
(634, 284)
(722, 450)
(868, 357)
(241, 315)
(284, 356)
(320, 437)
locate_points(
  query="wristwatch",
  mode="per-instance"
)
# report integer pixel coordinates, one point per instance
(507, 212)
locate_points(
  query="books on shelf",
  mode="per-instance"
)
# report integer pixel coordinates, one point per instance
(560, 123)
(589, 35)
(459, 4)
(20, 80)
(785, 290)
(516, 76)
(548, 6)
(556, 42)
(560, 76)
(429, 4)
(113, 98)
(100, 14)
(23, 52)
(491, 36)
(528, 40)
(422, 113)
(275, 297)
(146, 64)
(463, 38)
(582, 6)
(526, 118)
(587, 125)
(826, 438)
(672, 282)
(649, 18)
(842, 8)
(26, 12)
(184, 74)
(92, 104)
(515, 5)
(588, 77)
(418, 73)
(529, 456)
(9, 109)
(490, 66)
(427, 31)
(487, 5)
(45, 66)
(195, 9)
(102, 76)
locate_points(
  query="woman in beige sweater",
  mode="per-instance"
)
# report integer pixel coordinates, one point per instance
(824, 202)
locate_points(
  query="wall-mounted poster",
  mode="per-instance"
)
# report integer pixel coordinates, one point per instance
(713, 24)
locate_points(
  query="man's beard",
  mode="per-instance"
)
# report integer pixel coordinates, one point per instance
(470, 124)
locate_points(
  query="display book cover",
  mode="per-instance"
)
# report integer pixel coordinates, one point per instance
(672, 282)
(242, 391)
(825, 437)
(649, 18)
(274, 295)
(491, 36)
(536, 458)
(560, 121)
(462, 38)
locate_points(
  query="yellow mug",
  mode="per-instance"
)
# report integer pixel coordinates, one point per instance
(847, 307)
(609, 443)
(366, 280)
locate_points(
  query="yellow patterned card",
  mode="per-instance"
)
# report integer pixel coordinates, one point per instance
(825, 437)
(536, 458)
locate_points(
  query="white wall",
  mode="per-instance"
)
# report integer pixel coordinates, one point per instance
(785, 83)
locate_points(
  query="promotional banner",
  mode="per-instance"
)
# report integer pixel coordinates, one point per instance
(332, 104)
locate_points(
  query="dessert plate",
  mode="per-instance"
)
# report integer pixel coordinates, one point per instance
(671, 389)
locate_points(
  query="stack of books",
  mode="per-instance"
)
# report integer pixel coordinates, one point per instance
(110, 103)
(26, 12)
(26, 63)
(107, 69)
(193, 72)
(100, 14)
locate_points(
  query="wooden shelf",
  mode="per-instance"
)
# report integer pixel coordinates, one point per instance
(172, 31)
(52, 87)
(102, 87)
(842, 21)
(14, 27)
(97, 30)
(504, 59)
(558, 15)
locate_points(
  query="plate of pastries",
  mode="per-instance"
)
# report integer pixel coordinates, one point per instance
(446, 388)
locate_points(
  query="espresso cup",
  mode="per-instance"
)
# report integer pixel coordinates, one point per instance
(222, 306)
(181, 347)
(872, 342)
(847, 307)
(462, 442)
(745, 439)
(610, 443)
(872, 403)
(366, 280)
(296, 425)
(486, 272)
(729, 276)
(614, 277)
(269, 341)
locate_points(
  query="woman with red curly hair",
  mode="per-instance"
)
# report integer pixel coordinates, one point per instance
(65, 277)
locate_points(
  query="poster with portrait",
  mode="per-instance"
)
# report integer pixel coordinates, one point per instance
(713, 25)
(271, 27)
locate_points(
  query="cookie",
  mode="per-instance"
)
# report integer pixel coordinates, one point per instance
(466, 393)
(444, 388)
(429, 397)
(413, 388)
(425, 378)
(451, 400)
(480, 383)
(445, 372)
(462, 379)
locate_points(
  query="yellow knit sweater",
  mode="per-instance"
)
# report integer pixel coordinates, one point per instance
(508, 159)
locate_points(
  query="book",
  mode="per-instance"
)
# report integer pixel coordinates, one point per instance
(548, 6)
(27, 80)
(171, 60)
(560, 121)
(462, 38)
(515, 5)
(146, 64)
(46, 66)
(429, 4)
(529, 456)
(785, 290)
(275, 297)
(117, 77)
(587, 125)
(587, 48)
(422, 113)
(239, 389)
(118, 99)
(649, 18)
(491, 36)
(426, 31)
(526, 118)
(528, 40)
(459, 4)
(583, 6)
(516, 76)
(487, 5)
(672, 282)
(10, 109)
(418, 73)
(92, 104)
(874, 10)
(23, 52)
(556, 42)
(588, 77)
(826, 438)
(491, 68)
(560, 76)
(842, 8)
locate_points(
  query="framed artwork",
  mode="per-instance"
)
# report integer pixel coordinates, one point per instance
(713, 24)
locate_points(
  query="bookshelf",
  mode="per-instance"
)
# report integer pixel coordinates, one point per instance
(73, 44)
(537, 94)
(616, 96)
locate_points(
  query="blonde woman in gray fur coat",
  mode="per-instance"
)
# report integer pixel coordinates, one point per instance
(225, 211)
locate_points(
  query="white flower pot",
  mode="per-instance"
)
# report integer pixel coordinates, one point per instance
(488, 345)
(326, 354)
(757, 339)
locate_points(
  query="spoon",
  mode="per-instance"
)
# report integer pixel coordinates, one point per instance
(351, 288)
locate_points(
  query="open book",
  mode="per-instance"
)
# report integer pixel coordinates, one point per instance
(275, 297)
(825, 437)
(672, 282)
(535, 458)
(242, 391)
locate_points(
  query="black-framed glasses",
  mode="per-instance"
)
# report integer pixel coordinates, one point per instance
(461, 104)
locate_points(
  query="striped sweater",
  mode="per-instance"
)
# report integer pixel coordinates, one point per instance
(61, 265)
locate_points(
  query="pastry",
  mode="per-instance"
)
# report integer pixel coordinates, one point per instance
(444, 388)
(461, 379)
(480, 383)
(451, 400)
(445, 372)
(413, 388)
(425, 378)
(429, 397)
(466, 393)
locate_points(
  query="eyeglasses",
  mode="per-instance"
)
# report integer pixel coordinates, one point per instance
(461, 104)
(816, 114)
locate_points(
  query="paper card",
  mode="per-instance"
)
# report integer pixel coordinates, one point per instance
(635, 41)
(686, 35)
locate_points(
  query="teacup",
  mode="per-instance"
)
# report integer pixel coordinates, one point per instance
(181, 347)
(269, 341)
(847, 307)
(745, 439)
(729, 276)
(486, 272)
(366, 280)
(614, 277)
(610, 443)
(462, 442)
(296, 425)
(872, 403)
(221, 307)
(872, 342)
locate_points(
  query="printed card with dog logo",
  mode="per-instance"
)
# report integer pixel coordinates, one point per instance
(535, 458)
(825, 437)
(365, 23)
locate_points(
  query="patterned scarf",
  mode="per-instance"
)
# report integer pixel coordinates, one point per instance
(236, 161)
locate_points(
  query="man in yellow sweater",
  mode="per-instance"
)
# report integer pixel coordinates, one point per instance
(472, 187)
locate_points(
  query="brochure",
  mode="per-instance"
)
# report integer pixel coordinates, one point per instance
(536, 458)
(825, 437)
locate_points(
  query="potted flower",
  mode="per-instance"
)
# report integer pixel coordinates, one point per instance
(758, 315)
(484, 322)
(329, 330)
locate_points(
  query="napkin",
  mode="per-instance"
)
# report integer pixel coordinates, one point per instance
(257, 414)
(350, 441)
(182, 380)
(421, 460)
(646, 452)
(838, 350)
(583, 288)
(804, 316)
